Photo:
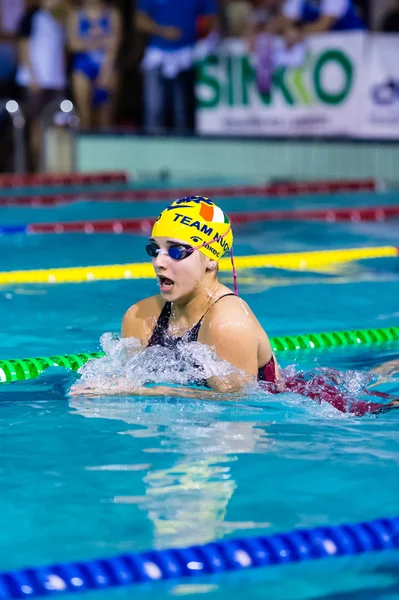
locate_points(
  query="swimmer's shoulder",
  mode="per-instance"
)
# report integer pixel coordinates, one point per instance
(230, 307)
(233, 313)
(229, 311)
(140, 319)
(231, 324)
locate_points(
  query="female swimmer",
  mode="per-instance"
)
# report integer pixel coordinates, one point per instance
(188, 239)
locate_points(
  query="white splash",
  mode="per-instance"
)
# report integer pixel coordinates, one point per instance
(127, 366)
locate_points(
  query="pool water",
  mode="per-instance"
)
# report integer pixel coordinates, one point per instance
(91, 477)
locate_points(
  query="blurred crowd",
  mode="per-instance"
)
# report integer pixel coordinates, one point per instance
(390, 18)
(131, 63)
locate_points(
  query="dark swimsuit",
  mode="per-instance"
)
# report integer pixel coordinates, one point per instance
(161, 337)
(317, 388)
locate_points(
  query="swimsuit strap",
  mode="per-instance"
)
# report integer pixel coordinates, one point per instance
(160, 333)
(193, 334)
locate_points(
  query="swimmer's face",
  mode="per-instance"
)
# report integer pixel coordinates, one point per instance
(178, 279)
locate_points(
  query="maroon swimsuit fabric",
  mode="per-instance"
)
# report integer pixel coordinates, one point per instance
(315, 388)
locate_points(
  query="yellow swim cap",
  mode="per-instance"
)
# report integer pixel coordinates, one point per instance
(198, 222)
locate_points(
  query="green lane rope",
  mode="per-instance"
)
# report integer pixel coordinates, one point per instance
(20, 369)
(335, 339)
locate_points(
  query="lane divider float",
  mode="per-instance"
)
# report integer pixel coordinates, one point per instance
(144, 224)
(22, 369)
(220, 556)
(274, 190)
(12, 180)
(298, 261)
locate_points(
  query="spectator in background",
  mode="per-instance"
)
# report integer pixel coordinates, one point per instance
(262, 12)
(390, 23)
(237, 15)
(94, 37)
(42, 66)
(168, 59)
(11, 12)
(300, 18)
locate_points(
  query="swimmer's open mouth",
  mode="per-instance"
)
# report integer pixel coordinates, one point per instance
(165, 283)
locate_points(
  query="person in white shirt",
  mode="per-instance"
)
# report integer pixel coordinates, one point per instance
(262, 13)
(10, 14)
(42, 63)
(300, 18)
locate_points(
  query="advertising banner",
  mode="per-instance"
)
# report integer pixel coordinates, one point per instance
(318, 90)
(380, 106)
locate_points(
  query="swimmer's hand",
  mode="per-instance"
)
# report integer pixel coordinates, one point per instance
(388, 368)
(388, 407)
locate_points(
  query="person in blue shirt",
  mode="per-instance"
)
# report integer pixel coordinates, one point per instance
(300, 18)
(168, 61)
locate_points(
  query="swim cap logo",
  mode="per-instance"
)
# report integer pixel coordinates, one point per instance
(213, 214)
(208, 210)
(196, 219)
(194, 199)
(189, 202)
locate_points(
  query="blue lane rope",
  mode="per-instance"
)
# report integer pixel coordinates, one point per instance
(215, 557)
(13, 229)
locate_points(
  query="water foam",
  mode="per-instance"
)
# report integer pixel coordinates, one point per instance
(128, 366)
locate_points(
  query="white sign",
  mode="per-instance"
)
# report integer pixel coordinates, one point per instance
(380, 105)
(320, 97)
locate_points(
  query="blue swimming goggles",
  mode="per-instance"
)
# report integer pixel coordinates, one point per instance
(177, 251)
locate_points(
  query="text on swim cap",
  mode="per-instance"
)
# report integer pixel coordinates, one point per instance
(185, 220)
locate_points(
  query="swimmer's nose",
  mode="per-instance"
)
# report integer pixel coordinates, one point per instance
(161, 259)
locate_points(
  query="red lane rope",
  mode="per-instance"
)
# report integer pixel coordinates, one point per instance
(51, 179)
(151, 195)
(380, 213)
(332, 215)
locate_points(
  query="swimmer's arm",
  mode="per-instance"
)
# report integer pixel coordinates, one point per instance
(157, 391)
(132, 326)
(235, 343)
(138, 322)
(185, 392)
(387, 369)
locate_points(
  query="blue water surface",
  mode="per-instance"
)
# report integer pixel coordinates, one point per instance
(83, 478)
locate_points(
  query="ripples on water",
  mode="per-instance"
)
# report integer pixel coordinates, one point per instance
(127, 366)
(187, 496)
(142, 472)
